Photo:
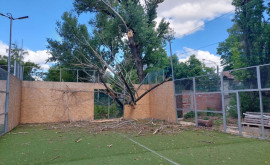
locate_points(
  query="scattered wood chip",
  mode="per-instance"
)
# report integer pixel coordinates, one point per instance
(58, 156)
(78, 140)
(25, 144)
(20, 133)
(59, 132)
(110, 145)
(208, 142)
(139, 133)
(106, 120)
(157, 130)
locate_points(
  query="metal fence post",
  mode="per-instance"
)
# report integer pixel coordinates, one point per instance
(239, 113)
(22, 73)
(156, 77)
(98, 78)
(108, 107)
(15, 68)
(60, 75)
(163, 75)
(175, 103)
(98, 95)
(223, 104)
(77, 75)
(94, 81)
(19, 71)
(260, 96)
(195, 102)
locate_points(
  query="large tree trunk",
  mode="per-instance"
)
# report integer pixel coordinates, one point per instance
(137, 55)
(246, 31)
(138, 61)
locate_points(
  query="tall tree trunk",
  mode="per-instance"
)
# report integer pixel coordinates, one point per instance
(137, 55)
(138, 61)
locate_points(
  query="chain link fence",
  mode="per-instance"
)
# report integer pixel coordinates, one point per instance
(156, 76)
(105, 106)
(62, 75)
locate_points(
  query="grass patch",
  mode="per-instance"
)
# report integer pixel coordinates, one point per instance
(36, 144)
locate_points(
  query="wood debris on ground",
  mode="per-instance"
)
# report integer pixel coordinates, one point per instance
(110, 145)
(14, 133)
(136, 127)
(56, 157)
(78, 140)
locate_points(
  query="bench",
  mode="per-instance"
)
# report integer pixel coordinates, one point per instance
(254, 119)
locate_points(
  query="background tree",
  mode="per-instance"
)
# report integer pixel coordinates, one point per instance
(192, 67)
(18, 55)
(248, 41)
(248, 45)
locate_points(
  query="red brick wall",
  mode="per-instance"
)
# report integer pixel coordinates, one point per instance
(212, 101)
(204, 101)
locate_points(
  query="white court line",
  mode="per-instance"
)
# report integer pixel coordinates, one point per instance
(154, 152)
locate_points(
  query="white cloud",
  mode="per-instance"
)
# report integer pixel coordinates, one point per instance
(45, 66)
(3, 48)
(206, 57)
(37, 57)
(185, 15)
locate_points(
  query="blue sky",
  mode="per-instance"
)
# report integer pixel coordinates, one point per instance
(184, 15)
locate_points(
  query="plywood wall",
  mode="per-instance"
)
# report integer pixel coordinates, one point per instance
(14, 103)
(142, 108)
(44, 102)
(162, 103)
(158, 104)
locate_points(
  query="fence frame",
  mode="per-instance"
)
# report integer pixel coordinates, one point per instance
(222, 91)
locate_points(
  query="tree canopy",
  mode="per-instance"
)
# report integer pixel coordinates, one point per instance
(248, 42)
(124, 30)
(248, 45)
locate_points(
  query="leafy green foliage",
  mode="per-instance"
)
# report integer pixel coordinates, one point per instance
(248, 41)
(110, 23)
(18, 55)
(206, 118)
(192, 67)
(189, 115)
(247, 45)
(29, 70)
(105, 107)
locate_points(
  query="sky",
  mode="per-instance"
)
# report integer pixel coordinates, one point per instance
(197, 24)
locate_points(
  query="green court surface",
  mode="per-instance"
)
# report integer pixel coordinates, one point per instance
(35, 144)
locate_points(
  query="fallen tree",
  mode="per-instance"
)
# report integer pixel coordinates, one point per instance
(124, 37)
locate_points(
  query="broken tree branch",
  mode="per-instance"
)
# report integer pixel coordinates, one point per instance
(145, 93)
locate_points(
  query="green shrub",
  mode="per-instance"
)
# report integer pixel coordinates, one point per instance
(206, 118)
(101, 112)
(189, 115)
(211, 113)
(233, 113)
